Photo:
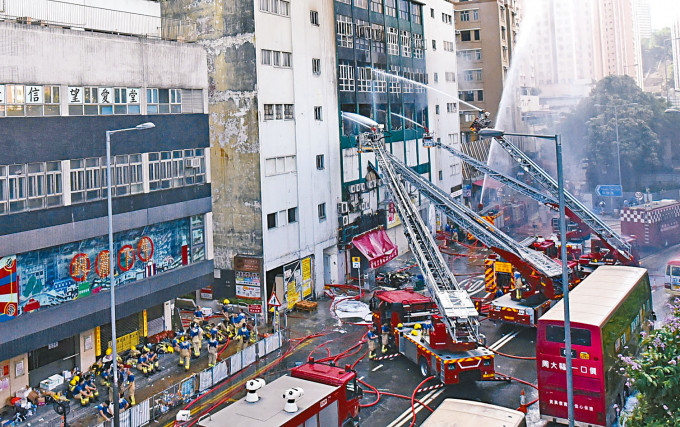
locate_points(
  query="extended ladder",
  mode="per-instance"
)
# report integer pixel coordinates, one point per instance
(455, 305)
(609, 236)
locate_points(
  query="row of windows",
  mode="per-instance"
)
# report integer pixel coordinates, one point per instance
(41, 185)
(363, 35)
(280, 218)
(286, 164)
(405, 10)
(372, 80)
(469, 95)
(276, 58)
(277, 7)
(472, 75)
(470, 35)
(451, 107)
(469, 15)
(286, 112)
(35, 100)
(469, 54)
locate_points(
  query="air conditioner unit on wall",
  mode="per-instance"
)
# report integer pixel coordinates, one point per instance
(192, 163)
(343, 207)
(344, 220)
(365, 206)
(353, 188)
(363, 187)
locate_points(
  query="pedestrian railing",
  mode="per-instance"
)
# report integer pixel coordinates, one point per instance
(189, 388)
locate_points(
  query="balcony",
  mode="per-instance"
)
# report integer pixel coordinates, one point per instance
(142, 18)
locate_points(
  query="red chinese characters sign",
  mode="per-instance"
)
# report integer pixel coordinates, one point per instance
(102, 265)
(126, 258)
(80, 267)
(145, 249)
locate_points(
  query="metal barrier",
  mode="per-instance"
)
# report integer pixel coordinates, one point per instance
(65, 14)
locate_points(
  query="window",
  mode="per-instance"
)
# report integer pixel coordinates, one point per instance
(320, 162)
(391, 8)
(17, 188)
(279, 111)
(377, 6)
(418, 46)
(436, 109)
(317, 113)
(3, 189)
(363, 4)
(278, 7)
(345, 31)
(406, 44)
(15, 100)
(446, 18)
(266, 57)
(314, 17)
(431, 13)
(292, 215)
(120, 100)
(379, 82)
(159, 101)
(316, 66)
(54, 184)
(346, 77)
(403, 10)
(451, 107)
(449, 46)
(467, 96)
(51, 101)
(276, 58)
(285, 59)
(271, 220)
(441, 175)
(469, 35)
(434, 44)
(416, 13)
(579, 336)
(321, 210)
(269, 111)
(395, 86)
(392, 39)
(288, 112)
(364, 83)
(280, 165)
(475, 14)
(478, 74)
(450, 76)
(468, 76)
(480, 95)
(470, 54)
(362, 39)
(464, 15)
(435, 77)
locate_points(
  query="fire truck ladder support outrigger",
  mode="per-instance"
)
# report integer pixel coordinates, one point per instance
(490, 236)
(609, 236)
(455, 305)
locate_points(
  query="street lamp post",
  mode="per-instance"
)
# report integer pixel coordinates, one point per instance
(114, 350)
(494, 133)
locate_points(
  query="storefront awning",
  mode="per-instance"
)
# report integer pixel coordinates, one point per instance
(376, 246)
(490, 183)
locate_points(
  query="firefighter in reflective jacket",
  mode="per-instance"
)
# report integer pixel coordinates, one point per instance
(185, 354)
(212, 351)
(242, 337)
(195, 333)
(372, 339)
(518, 285)
(385, 337)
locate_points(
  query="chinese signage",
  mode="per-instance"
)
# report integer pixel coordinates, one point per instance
(247, 275)
(583, 370)
(298, 280)
(51, 276)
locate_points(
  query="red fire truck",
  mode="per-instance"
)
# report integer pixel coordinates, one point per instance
(314, 394)
(432, 351)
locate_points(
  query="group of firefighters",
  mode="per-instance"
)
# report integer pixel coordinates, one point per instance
(372, 336)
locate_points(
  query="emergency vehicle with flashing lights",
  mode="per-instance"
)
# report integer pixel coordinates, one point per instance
(325, 395)
(430, 349)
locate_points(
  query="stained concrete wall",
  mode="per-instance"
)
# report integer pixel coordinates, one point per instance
(15, 383)
(226, 30)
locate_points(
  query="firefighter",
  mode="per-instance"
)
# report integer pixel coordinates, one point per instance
(103, 409)
(242, 337)
(212, 351)
(123, 404)
(176, 342)
(195, 333)
(226, 310)
(427, 328)
(385, 337)
(79, 392)
(253, 332)
(91, 388)
(144, 365)
(131, 387)
(372, 339)
(398, 331)
(153, 360)
(185, 354)
(276, 319)
(198, 316)
(518, 285)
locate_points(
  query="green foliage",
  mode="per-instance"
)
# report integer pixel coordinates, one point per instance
(655, 373)
(645, 133)
(656, 49)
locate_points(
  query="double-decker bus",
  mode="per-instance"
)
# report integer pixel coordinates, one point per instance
(609, 309)
(673, 277)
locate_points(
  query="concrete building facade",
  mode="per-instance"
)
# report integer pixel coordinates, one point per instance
(61, 89)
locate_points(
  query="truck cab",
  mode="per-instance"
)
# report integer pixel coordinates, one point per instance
(399, 306)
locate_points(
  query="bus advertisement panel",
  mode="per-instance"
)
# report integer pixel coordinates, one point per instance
(609, 309)
(673, 277)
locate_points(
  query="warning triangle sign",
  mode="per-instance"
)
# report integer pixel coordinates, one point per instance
(273, 301)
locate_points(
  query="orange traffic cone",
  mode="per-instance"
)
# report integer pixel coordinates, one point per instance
(522, 402)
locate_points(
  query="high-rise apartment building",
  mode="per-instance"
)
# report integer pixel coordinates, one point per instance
(643, 18)
(675, 46)
(486, 32)
(68, 76)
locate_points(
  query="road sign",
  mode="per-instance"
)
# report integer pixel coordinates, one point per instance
(356, 262)
(274, 301)
(254, 308)
(609, 190)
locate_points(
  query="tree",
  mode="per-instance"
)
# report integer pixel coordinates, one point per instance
(645, 133)
(655, 373)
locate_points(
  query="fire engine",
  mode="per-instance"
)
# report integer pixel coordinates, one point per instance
(453, 348)
(313, 394)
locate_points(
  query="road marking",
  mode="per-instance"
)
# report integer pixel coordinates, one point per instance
(399, 419)
(501, 342)
(376, 368)
(406, 416)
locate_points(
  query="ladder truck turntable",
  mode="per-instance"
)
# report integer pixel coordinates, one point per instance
(453, 350)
